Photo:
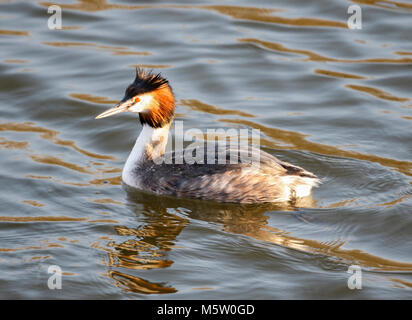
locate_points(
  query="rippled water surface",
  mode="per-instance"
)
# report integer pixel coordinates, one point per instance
(335, 101)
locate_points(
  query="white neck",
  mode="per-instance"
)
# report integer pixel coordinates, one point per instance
(150, 144)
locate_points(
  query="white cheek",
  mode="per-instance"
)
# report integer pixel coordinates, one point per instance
(137, 107)
(143, 104)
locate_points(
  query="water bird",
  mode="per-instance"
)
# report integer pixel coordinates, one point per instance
(151, 97)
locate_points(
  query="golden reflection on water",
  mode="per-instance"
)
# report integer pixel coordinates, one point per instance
(282, 139)
(147, 246)
(403, 53)
(265, 15)
(111, 221)
(130, 283)
(394, 202)
(33, 203)
(97, 169)
(343, 203)
(13, 32)
(145, 251)
(403, 283)
(50, 135)
(15, 61)
(377, 93)
(114, 181)
(150, 66)
(335, 74)
(10, 144)
(45, 244)
(69, 183)
(207, 108)
(46, 159)
(88, 5)
(64, 239)
(114, 50)
(312, 56)
(41, 218)
(252, 222)
(387, 4)
(93, 99)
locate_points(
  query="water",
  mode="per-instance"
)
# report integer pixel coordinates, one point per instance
(332, 100)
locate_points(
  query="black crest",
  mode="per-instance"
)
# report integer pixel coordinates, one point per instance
(145, 82)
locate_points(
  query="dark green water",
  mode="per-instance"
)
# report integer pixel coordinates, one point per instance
(332, 100)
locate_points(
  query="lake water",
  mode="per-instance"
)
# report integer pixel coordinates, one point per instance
(335, 101)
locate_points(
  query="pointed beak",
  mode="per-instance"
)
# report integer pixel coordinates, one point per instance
(118, 108)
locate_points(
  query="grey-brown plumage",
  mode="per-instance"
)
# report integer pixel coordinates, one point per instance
(272, 180)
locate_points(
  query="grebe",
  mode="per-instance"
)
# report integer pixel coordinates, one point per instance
(151, 97)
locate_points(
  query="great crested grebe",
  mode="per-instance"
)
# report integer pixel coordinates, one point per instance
(151, 96)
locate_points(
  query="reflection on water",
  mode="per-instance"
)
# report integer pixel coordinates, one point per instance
(313, 56)
(13, 33)
(265, 15)
(335, 74)
(147, 247)
(138, 285)
(15, 61)
(150, 66)
(114, 50)
(93, 99)
(204, 107)
(8, 144)
(377, 93)
(50, 135)
(32, 219)
(387, 4)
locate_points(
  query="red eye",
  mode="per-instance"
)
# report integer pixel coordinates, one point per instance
(136, 99)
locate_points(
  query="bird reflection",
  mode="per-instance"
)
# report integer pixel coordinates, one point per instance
(163, 219)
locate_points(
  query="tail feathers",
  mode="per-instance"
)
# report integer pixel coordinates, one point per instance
(300, 186)
(303, 186)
